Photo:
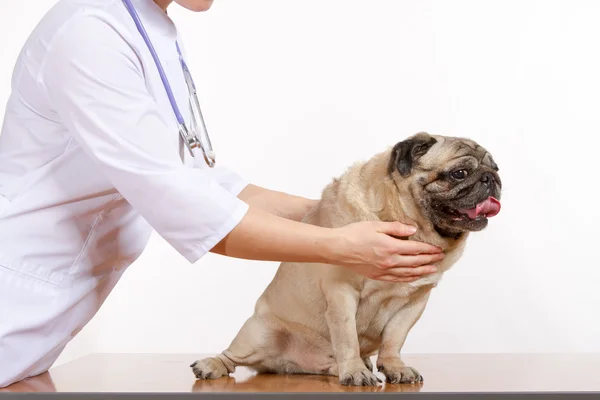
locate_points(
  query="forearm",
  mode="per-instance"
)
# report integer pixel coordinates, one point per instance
(281, 204)
(261, 235)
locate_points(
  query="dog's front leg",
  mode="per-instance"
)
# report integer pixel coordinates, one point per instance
(342, 303)
(394, 335)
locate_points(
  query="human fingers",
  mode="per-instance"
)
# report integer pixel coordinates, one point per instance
(395, 229)
(412, 247)
(396, 279)
(413, 261)
(407, 272)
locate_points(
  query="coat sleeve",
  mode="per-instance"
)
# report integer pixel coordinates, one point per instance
(95, 83)
(227, 178)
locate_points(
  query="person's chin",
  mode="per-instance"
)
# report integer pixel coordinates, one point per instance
(195, 5)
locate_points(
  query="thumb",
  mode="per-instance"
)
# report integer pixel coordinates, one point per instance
(396, 229)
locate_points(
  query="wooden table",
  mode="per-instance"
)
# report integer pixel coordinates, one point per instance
(452, 373)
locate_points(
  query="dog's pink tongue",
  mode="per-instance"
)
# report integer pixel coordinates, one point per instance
(489, 208)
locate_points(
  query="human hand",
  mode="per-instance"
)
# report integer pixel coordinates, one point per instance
(369, 249)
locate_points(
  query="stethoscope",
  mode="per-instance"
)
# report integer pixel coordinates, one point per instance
(191, 138)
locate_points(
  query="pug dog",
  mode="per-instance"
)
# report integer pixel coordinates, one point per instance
(326, 319)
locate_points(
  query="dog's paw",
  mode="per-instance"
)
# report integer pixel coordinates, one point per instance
(209, 368)
(400, 374)
(362, 377)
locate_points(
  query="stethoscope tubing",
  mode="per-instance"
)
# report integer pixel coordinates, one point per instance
(161, 72)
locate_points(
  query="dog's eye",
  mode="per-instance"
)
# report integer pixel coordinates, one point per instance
(460, 174)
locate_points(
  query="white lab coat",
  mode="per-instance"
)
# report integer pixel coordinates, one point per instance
(90, 163)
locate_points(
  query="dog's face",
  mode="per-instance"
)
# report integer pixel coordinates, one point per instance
(453, 180)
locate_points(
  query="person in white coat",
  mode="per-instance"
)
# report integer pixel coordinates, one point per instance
(91, 163)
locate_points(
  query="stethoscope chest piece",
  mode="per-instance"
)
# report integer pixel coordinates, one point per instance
(192, 142)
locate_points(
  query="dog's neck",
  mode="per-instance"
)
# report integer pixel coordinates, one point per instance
(377, 200)
(391, 207)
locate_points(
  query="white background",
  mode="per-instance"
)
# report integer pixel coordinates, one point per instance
(296, 91)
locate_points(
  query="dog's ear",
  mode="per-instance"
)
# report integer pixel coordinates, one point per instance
(406, 153)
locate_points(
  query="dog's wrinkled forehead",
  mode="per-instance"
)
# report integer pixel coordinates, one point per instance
(449, 149)
(427, 153)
